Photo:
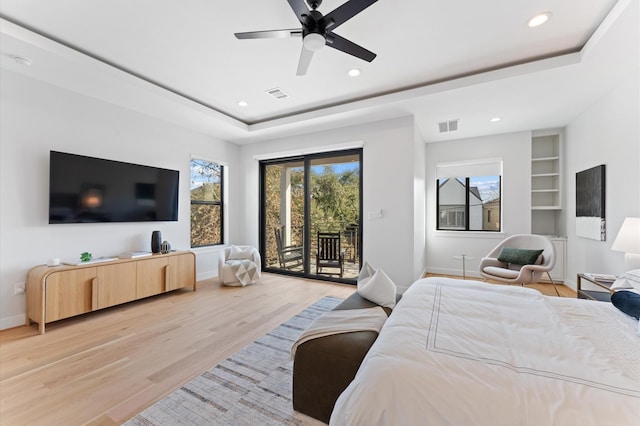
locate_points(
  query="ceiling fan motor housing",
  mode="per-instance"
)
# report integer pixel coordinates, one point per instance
(313, 23)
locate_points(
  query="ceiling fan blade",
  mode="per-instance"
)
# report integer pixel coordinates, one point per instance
(342, 14)
(299, 8)
(296, 32)
(341, 43)
(305, 60)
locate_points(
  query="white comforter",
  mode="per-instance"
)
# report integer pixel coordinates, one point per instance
(468, 353)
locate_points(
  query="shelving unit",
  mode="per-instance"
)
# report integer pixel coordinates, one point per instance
(546, 193)
(545, 173)
(546, 182)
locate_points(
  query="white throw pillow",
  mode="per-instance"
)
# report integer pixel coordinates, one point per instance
(628, 281)
(379, 289)
(236, 253)
(366, 271)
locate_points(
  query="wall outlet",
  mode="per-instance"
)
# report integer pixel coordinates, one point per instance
(18, 288)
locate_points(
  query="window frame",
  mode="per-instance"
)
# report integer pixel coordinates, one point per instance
(467, 186)
(219, 203)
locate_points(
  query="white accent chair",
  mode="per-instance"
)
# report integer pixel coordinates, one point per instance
(225, 274)
(510, 273)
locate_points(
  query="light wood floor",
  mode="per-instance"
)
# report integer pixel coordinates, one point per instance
(107, 366)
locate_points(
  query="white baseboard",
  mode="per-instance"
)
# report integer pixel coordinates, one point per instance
(14, 321)
(206, 275)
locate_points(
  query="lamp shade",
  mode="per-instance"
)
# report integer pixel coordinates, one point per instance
(628, 239)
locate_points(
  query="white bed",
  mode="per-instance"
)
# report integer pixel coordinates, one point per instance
(465, 352)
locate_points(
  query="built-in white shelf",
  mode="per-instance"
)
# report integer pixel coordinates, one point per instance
(546, 208)
(546, 182)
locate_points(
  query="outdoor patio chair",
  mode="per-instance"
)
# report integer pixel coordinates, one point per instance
(330, 253)
(289, 256)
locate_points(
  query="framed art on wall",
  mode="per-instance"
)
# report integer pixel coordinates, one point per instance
(590, 203)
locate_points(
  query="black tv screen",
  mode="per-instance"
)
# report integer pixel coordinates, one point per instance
(88, 190)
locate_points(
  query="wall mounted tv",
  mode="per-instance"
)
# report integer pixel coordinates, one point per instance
(89, 190)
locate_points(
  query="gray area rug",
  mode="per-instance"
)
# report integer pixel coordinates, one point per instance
(252, 387)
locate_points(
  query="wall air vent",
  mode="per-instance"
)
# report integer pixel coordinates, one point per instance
(448, 126)
(277, 93)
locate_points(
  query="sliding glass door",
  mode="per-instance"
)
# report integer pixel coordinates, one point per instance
(310, 215)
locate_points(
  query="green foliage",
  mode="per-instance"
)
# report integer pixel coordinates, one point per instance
(85, 256)
(206, 192)
(206, 199)
(335, 197)
(335, 202)
(205, 224)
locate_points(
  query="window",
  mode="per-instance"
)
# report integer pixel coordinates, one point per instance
(469, 196)
(207, 221)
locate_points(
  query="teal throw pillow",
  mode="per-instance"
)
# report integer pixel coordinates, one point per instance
(519, 256)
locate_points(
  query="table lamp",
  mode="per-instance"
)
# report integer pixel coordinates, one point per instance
(628, 241)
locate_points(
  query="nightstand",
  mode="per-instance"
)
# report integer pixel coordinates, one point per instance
(602, 296)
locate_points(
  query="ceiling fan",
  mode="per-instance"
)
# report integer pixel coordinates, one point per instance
(317, 30)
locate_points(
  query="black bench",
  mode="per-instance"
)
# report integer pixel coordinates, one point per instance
(324, 367)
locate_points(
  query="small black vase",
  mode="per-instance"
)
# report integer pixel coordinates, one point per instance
(156, 241)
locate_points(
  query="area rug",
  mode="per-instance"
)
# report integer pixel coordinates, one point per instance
(252, 387)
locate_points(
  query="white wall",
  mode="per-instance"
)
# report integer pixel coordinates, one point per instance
(515, 151)
(37, 117)
(419, 201)
(606, 133)
(389, 181)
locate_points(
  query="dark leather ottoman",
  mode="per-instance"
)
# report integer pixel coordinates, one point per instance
(324, 367)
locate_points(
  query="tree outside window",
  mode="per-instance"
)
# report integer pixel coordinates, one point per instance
(206, 203)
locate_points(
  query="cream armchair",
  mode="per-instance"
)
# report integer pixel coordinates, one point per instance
(226, 273)
(514, 273)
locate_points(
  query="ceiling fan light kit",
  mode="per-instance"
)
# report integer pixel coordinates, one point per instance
(313, 41)
(317, 30)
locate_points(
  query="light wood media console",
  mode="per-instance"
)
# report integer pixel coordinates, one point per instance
(54, 293)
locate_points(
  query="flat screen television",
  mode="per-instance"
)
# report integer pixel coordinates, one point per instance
(89, 190)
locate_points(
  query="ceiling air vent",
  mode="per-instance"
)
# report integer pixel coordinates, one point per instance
(448, 126)
(277, 93)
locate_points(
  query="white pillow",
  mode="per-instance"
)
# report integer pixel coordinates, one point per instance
(236, 253)
(629, 280)
(366, 271)
(379, 289)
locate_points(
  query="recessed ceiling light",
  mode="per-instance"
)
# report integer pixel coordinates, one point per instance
(539, 19)
(354, 72)
(495, 119)
(243, 103)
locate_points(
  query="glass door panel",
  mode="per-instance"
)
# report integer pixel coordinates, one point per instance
(283, 200)
(311, 210)
(334, 216)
